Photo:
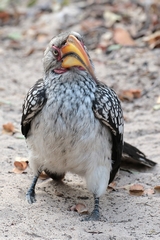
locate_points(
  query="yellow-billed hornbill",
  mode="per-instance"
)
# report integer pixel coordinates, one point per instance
(71, 121)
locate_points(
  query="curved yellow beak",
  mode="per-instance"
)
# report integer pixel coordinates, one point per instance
(73, 54)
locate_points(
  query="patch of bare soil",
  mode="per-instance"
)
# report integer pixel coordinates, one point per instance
(123, 215)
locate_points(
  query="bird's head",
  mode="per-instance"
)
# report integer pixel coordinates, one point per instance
(66, 51)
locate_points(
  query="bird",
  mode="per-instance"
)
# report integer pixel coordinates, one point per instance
(73, 122)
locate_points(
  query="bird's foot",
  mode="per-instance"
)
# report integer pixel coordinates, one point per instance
(30, 196)
(94, 216)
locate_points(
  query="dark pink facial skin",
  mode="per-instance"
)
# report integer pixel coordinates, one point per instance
(60, 70)
(59, 57)
(58, 52)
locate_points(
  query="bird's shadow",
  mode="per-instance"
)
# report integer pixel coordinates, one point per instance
(69, 191)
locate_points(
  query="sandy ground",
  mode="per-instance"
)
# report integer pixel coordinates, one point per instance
(122, 216)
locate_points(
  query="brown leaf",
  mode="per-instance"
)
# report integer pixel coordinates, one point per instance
(136, 189)
(130, 94)
(153, 40)
(126, 187)
(136, 93)
(9, 127)
(148, 192)
(126, 95)
(20, 166)
(4, 16)
(112, 186)
(15, 170)
(43, 175)
(80, 208)
(157, 188)
(122, 37)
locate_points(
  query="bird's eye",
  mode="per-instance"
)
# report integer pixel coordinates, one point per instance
(55, 51)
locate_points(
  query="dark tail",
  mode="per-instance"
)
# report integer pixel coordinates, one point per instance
(133, 154)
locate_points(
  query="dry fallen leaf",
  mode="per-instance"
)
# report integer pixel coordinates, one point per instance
(9, 128)
(130, 94)
(126, 187)
(5, 16)
(157, 188)
(112, 186)
(153, 40)
(20, 166)
(136, 93)
(122, 37)
(136, 189)
(148, 192)
(43, 175)
(80, 208)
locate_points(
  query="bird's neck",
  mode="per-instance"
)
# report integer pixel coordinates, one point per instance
(68, 76)
(77, 81)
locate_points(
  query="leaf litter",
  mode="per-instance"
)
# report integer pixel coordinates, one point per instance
(80, 208)
(121, 36)
(139, 190)
(8, 128)
(20, 165)
(130, 94)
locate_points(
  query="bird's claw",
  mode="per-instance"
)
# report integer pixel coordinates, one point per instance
(30, 197)
(94, 216)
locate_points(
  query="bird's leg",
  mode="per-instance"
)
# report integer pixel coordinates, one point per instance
(30, 195)
(94, 216)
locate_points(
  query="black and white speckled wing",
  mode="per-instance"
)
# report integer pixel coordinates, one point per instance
(107, 108)
(33, 104)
